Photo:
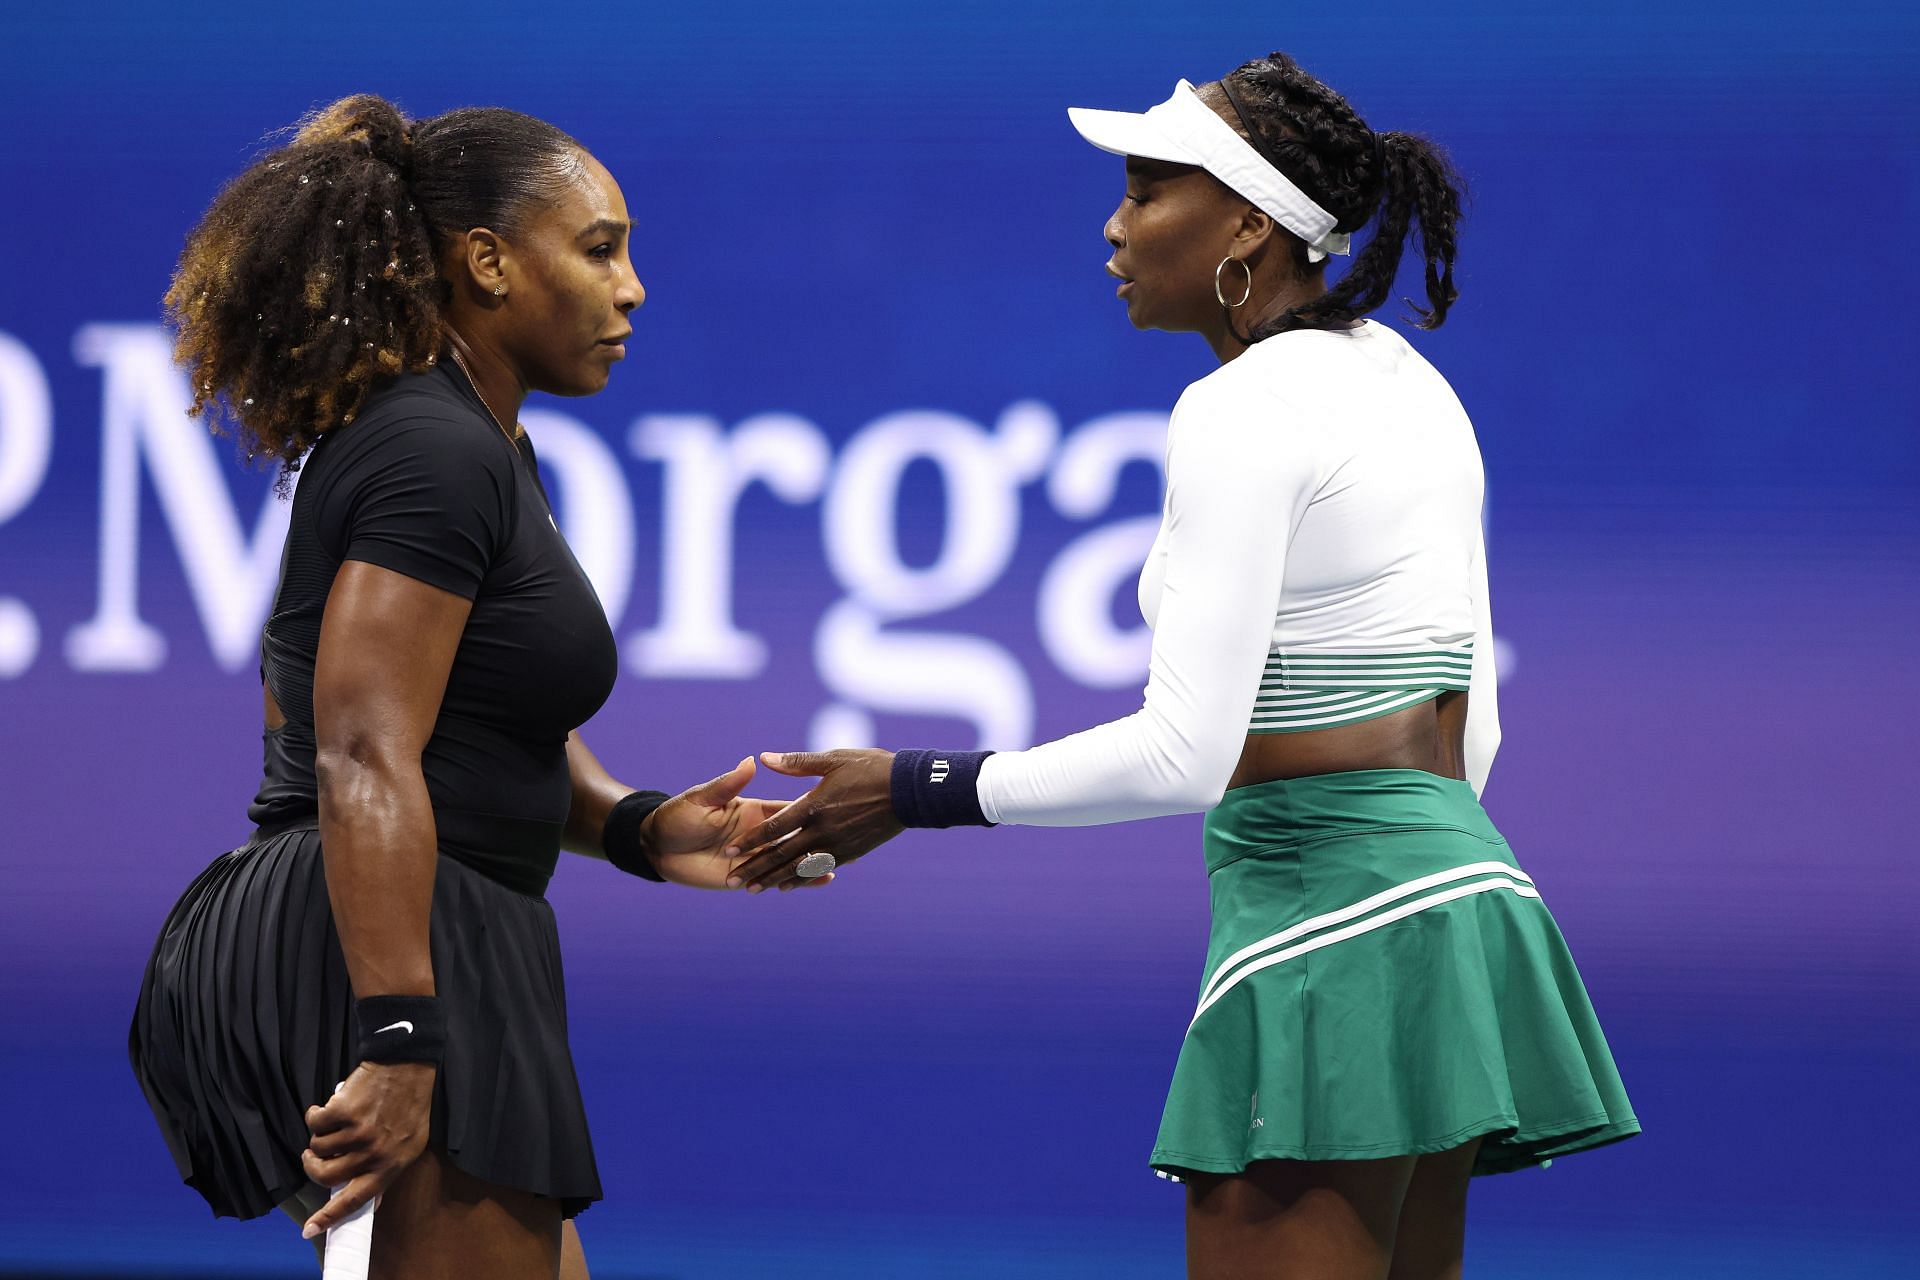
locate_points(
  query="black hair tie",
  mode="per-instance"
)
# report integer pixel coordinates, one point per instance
(1246, 125)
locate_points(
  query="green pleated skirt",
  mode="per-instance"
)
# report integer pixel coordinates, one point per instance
(1382, 979)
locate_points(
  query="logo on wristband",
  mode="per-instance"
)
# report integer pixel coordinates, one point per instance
(939, 771)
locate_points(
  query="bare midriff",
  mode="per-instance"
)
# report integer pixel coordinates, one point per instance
(1429, 736)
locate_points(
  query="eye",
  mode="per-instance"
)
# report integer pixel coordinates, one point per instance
(1134, 199)
(601, 251)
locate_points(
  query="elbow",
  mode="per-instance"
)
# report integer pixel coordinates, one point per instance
(334, 772)
(1192, 785)
(1187, 770)
(351, 766)
(1482, 743)
(1201, 788)
(1205, 792)
(1195, 797)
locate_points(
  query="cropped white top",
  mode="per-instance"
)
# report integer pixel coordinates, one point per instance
(1319, 562)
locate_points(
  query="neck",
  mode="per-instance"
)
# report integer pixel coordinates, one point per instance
(493, 376)
(1269, 299)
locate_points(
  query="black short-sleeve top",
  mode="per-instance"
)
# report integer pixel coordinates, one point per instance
(425, 483)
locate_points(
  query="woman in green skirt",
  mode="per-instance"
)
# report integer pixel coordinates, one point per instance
(1387, 1007)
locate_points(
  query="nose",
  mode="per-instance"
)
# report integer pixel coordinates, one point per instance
(630, 293)
(1112, 232)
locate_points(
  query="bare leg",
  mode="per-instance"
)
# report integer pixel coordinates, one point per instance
(300, 1206)
(437, 1223)
(573, 1259)
(1296, 1220)
(1432, 1239)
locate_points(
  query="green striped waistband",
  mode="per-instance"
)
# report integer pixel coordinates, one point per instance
(1293, 811)
(1300, 691)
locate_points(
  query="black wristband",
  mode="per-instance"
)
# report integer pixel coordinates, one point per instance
(400, 1029)
(620, 838)
(938, 788)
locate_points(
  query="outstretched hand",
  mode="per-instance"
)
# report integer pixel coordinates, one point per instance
(696, 837)
(848, 814)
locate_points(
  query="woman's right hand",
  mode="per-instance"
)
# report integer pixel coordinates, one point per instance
(373, 1127)
(850, 813)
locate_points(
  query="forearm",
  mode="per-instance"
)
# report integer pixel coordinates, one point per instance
(595, 792)
(1133, 768)
(379, 846)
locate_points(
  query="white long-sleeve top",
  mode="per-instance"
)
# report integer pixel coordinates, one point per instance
(1319, 561)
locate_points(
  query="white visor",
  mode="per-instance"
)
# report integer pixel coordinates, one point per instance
(1185, 130)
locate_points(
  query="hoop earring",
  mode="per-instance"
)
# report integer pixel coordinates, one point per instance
(1244, 293)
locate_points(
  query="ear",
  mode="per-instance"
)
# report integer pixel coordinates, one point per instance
(1255, 228)
(484, 258)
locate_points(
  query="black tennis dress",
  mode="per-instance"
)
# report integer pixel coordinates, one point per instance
(245, 1014)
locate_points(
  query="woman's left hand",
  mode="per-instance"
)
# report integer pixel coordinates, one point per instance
(693, 838)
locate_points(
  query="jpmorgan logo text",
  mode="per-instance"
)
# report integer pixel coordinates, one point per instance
(872, 648)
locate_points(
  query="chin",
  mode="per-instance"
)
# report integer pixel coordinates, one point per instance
(588, 382)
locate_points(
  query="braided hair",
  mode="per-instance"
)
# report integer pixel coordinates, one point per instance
(1313, 136)
(314, 274)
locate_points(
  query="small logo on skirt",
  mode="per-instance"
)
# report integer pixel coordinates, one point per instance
(1257, 1122)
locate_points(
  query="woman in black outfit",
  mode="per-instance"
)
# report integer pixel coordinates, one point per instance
(370, 305)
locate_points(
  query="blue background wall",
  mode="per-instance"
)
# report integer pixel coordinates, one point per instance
(1685, 335)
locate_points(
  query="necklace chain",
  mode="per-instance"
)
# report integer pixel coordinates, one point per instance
(485, 403)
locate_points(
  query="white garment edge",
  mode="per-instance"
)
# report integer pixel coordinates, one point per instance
(1482, 736)
(1367, 926)
(1361, 908)
(1185, 130)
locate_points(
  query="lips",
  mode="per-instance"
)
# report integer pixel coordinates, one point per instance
(618, 345)
(1126, 282)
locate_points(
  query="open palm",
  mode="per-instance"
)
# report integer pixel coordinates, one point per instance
(694, 837)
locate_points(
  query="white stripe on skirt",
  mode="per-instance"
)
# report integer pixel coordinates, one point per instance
(1508, 879)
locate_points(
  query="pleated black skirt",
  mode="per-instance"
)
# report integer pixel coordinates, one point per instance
(245, 1020)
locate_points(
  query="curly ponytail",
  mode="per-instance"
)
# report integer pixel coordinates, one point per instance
(314, 274)
(1391, 179)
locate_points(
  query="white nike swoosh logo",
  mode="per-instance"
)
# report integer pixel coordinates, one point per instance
(407, 1025)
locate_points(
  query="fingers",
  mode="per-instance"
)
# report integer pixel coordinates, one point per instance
(350, 1197)
(328, 1119)
(341, 1142)
(784, 873)
(762, 845)
(349, 1161)
(763, 858)
(717, 793)
(801, 764)
(752, 811)
(372, 1127)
